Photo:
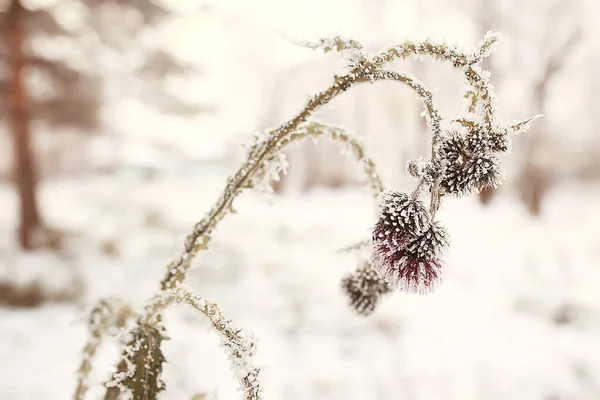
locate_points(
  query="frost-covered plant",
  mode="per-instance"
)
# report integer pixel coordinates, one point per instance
(364, 288)
(407, 240)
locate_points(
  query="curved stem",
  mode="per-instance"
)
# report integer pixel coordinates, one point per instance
(459, 59)
(240, 347)
(107, 314)
(200, 236)
(318, 129)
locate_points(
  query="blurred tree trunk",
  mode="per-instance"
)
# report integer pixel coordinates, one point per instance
(24, 173)
(536, 176)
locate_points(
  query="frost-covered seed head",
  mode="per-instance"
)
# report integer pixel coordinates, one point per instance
(480, 141)
(454, 182)
(409, 273)
(483, 172)
(399, 216)
(451, 148)
(430, 244)
(500, 142)
(364, 288)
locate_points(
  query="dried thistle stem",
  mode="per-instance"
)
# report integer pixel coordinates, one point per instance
(240, 347)
(107, 314)
(275, 142)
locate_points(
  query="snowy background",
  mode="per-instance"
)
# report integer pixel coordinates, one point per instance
(518, 314)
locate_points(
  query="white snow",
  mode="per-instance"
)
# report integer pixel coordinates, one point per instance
(489, 332)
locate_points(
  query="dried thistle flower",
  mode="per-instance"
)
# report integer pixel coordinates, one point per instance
(406, 244)
(413, 266)
(430, 244)
(451, 148)
(399, 215)
(480, 141)
(454, 182)
(483, 171)
(364, 288)
(409, 273)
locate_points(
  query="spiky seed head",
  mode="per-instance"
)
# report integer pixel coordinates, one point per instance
(400, 215)
(454, 182)
(364, 288)
(500, 142)
(478, 141)
(430, 244)
(483, 172)
(451, 147)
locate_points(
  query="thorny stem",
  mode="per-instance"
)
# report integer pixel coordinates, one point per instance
(318, 129)
(241, 348)
(415, 194)
(459, 60)
(200, 236)
(107, 314)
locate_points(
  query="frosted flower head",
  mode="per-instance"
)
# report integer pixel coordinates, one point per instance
(406, 244)
(484, 172)
(430, 244)
(399, 215)
(454, 181)
(410, 274)
(452, 147)
(415, 267)
(364, 288)
(480, 141)
(400, 219)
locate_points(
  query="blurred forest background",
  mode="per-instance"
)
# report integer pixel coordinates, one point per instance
(91, 88)
(99, 98)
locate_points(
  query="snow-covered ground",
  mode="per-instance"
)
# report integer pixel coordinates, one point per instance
(517, 317)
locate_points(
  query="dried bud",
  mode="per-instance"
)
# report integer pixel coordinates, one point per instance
(451, 148)
(364, 288)
(480, 141)
(500, 142)
(454, 181)
(399, 216)
(425, 170)
(483, 172)
(429, 244)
